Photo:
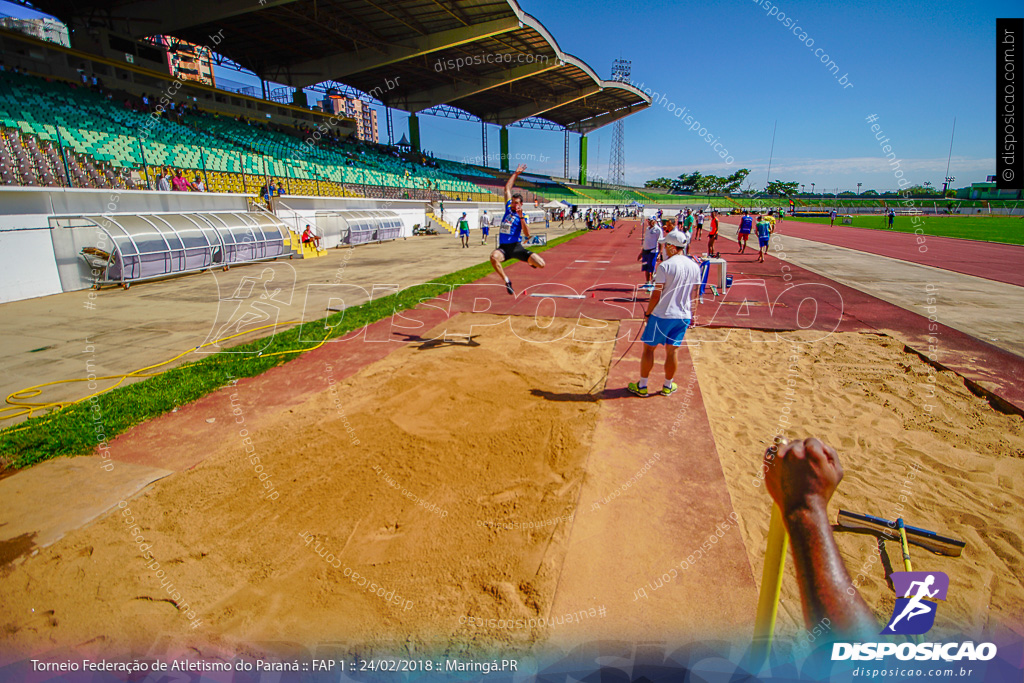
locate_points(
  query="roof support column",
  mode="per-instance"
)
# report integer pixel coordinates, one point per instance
(565, 155)
(414, 132)
(483, 140)
(583, 160)
(504, 148)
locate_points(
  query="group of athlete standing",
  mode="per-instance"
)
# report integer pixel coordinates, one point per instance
(674, 282)
(765, 227)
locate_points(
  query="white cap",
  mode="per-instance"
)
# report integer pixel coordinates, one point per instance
(676, 238)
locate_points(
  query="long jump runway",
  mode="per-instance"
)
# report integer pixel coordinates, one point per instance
(480, 484)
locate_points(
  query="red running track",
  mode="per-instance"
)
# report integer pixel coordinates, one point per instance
(999, 262)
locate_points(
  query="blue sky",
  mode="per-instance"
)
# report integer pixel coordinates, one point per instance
(737, 69)
(915, 65)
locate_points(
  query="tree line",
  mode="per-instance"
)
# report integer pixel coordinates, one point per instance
(699, 183)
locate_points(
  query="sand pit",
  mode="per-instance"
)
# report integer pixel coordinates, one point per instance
(889, 415)
(439, 476)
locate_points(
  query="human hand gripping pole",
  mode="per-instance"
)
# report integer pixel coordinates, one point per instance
(801, 476)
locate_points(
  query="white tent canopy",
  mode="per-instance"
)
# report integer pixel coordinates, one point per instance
(554, 205)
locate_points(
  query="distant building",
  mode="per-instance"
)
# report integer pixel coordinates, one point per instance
(986, 191)
(188, 61)
(363, 113)
(44, 29)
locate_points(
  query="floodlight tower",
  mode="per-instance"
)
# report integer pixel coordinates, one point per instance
(617, 160)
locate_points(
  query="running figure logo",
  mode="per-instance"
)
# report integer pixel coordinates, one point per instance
(914, 613)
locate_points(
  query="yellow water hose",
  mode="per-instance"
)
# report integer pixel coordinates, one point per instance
(20, 405)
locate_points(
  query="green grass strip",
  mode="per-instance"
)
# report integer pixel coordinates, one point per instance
(76, 429)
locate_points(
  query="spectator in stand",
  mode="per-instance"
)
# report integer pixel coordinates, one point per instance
(162, 184)
(179, 183)
(198, 185)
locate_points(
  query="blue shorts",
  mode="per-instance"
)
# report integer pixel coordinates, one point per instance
(665, 331)
(763, 241)
(487, 231)
(649, 260)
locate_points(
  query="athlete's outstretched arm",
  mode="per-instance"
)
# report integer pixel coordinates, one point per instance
(512, 181)
(801, 479)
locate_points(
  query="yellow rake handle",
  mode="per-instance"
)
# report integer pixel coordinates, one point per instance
(903, 543)
(771, 588)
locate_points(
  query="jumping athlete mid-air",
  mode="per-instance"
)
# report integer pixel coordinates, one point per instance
(513, 228)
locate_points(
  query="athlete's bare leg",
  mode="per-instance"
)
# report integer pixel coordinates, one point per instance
(670, 362)
(496, 258)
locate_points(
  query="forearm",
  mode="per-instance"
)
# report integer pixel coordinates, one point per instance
(510, 184)
(826, 589)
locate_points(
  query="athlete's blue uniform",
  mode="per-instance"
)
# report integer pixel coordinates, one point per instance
(510, 235)
(511, 226)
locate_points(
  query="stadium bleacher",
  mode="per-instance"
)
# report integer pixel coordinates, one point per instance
(109, 142)
(105, 140)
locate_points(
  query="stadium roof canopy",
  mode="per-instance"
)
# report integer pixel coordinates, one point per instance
(486, 57)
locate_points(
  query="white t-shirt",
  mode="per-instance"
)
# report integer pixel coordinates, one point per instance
(651, 238)
(680, 274)
(485, 220)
